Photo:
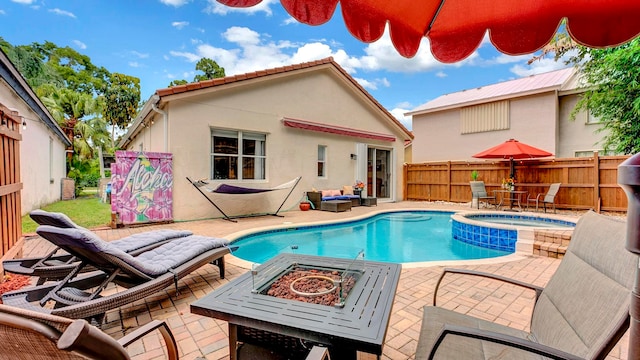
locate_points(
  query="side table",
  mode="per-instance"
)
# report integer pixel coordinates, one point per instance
(369, 201)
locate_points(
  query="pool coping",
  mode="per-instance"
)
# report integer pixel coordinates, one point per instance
(520, 253)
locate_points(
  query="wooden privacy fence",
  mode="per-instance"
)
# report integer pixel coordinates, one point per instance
(10, 185)
(587, 183)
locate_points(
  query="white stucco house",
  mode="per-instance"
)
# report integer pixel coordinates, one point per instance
(43, 146)
(535, 110)
(264, 128)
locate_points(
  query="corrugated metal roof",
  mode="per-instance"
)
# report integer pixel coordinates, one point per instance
(533, 84)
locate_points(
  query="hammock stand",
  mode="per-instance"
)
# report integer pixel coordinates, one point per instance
(239, 190)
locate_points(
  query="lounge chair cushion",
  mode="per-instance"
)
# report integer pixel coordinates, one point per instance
(153, 262)
(141, 240)
(53, 218)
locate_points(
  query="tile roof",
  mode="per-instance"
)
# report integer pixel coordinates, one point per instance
(279, 70)
(533, 84)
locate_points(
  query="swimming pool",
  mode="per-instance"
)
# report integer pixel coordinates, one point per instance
(399, 236)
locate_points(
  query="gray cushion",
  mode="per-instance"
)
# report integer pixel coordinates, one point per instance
(126, 244)
(152, 263)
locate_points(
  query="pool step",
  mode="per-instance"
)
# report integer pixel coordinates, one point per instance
(551, 243)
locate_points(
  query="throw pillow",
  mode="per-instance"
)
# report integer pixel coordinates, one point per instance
(347, 190)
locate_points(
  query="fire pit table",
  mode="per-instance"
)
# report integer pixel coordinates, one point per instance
(273, 306)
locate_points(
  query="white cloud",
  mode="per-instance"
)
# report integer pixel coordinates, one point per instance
(62, 12)
(538, 67)
(290, 20)
(371, 85)
(174, 3)
(134, 64)
(139, 54)
(214, 7)
(26, 2)
(2, 12)
(441, 74)
(242, 36)
(187, 55)
(398, 113)
(179, 24)
(80, 44)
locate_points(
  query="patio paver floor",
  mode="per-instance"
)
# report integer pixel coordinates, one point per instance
(200, 337)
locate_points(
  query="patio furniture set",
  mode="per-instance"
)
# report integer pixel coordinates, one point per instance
(511, 197)
(339, 200)
(595, 280)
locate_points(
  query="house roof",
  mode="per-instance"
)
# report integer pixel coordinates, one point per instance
(534, 84)
(16, 81)
(161, 94)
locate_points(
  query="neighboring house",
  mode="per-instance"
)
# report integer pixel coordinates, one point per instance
(534, 110)
(43, 145)
(264, 128)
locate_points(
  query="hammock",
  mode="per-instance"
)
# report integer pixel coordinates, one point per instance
(240, 190)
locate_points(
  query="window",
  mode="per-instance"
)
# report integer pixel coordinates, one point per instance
(237, 155)
(589, 153)
(591, 119)
(322, 161)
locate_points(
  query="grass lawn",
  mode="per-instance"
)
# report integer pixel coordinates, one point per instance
(85, 210)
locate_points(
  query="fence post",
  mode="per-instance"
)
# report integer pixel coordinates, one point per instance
(449, 181)
(596, 182)
(405, 188)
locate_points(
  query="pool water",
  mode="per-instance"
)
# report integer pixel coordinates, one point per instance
(401, 237)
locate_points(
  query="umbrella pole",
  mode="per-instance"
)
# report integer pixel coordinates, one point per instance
(513, 168)
(629, 180)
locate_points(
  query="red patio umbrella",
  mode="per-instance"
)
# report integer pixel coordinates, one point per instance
(455, 28)
(512, 149)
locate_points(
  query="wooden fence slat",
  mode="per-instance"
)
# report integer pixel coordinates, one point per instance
(587, 183)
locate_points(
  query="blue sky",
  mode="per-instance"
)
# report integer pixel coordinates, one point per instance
(161, 40)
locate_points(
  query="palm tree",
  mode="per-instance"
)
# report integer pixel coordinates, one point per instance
(79, 116)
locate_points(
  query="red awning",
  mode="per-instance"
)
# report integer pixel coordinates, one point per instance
(455, 28)
(332, 129)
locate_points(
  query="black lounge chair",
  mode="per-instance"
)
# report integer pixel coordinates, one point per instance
(55, 266)
(31, 335)
(80, 296)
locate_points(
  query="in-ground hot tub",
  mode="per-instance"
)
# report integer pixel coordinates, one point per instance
(504, 231)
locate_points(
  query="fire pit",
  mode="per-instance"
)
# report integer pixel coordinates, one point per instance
(300, 299)
(313, 285)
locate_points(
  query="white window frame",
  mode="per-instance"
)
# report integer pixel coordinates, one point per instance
(240, 135)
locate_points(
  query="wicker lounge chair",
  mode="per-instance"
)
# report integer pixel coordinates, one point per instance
(81, 296)
(581, 313)
(26, 334)
(56, 265)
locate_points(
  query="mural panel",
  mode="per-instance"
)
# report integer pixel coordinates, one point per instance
(141, 187)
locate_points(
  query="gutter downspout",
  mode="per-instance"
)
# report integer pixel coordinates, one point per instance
(166, 123)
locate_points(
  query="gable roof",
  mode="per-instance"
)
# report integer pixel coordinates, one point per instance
(19, 85)
(164, 93)
(533, 84)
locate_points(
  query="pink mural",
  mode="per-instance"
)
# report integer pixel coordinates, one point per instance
(141, 187)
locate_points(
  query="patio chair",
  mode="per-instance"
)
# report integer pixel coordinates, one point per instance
(549, 198)
(479, 192)
(81, 296)
(57, 264)
(581, 313)
(26, 334)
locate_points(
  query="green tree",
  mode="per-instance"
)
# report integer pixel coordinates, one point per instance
(120, 96)
(71, 109)
(210, 68)
(612, 82)
(613, 93)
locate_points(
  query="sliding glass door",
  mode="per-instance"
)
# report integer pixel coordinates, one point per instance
(379, 173)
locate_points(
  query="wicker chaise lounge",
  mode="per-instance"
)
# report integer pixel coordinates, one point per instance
(81, 296)
(57, 264)
(581, 313)
(28, 335)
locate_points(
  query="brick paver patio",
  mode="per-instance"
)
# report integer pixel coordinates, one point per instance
(200, 337)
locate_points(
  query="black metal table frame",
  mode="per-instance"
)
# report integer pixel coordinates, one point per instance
(360, 325)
